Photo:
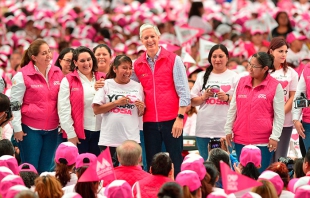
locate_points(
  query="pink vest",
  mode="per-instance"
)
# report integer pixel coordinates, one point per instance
(39, 108)
(254, 119)
(161, 98)
(77, 102)
(306, 111)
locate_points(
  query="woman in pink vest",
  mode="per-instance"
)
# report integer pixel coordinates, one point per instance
(288, 78)
(256, 113)
(36, 86)
(121, 104)
(77, 91)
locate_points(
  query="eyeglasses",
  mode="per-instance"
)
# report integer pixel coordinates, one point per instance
(253, 66)
(67, 60)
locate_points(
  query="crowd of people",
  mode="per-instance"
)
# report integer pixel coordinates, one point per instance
(80, 78)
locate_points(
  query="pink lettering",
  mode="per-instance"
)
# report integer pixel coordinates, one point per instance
(216, 102)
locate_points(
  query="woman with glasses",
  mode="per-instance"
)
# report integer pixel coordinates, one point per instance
(212, 92)
(256, 113)
(77, 91)
(64, 60)
(288, 78)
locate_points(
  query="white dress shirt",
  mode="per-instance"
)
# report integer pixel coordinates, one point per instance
(91, 121)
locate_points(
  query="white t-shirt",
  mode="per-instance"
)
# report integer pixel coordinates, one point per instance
(122, 122)
(211, 117)
(288, 81)
(72, 181)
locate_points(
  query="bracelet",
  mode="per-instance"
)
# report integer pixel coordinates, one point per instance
(227, 98)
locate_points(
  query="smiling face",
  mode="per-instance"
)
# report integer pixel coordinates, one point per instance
(150, 40)
(279, 54)
(123, 72)
(44, 57)
(65, 63)
(84, 63)
(104, 58)
(219, 61)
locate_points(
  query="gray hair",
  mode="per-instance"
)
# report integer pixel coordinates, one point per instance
(129, 153)
(149, 26)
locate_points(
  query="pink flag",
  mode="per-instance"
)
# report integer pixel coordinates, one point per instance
(234, 182)
(102, 169)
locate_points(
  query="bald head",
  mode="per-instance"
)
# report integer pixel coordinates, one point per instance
(129, 153)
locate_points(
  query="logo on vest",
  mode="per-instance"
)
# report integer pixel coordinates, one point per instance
(74, 89)
(36, 86)
(262, 96)
(56, 83)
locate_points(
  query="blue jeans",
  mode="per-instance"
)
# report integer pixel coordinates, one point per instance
(90, 143)
(307, 133)
(38, 148)
(157, 132)
(266, 155)
(143, 151)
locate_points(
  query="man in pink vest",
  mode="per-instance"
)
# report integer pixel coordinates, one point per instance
(163, 78)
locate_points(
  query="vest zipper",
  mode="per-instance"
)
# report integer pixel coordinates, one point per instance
(154, 92)
(48, 103)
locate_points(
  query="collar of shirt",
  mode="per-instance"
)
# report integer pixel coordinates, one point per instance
(148, 58)
(47, 70)
(84, 78)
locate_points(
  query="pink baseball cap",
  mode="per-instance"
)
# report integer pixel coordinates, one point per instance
(251, 195)
(194, 155)
(85, 159)
(10, 162)
(194, 164)
(9, 181)
(188, 178)
(303, 192)
(26, 167)
(295, 35)
(274, 178)
(14, 190)
(301, 182)
(217, 194)
(118, 188)
(72, 195)
(250, 153)
(193, 69)
(67, 151)
(257, 29)
(5, 171)
(291, 184)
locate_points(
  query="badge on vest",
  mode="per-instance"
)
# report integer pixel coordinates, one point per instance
(242, 96)
(74, 89)
(262, 96)
(36, 86)
(56, 83)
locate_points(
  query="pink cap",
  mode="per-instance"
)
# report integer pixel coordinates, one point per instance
(14, 190)
(251, 195)
(118, 188)
(291, 184)
(192, 69)
(301, 182)
(85, 159)
(10, 162)
(188, 178)
(303, 192)
(8, 182)
(196, 165)
(194, 155)
(5, 171)
(274, 178)
(30, 168)
(252, 154)
(72, 195)
(257, 29)
(67, 151)
(293, 36)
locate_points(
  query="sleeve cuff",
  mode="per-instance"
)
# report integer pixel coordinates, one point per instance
(17, 128)
(274, 138)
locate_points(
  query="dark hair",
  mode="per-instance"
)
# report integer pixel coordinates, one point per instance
(28, 177)
(62, 45)
(76, 54)
(289, 25)
(117, 62)
(264, 60)
(206, 187)
(276, 43)
(298, 167)
(250, 170)
(63, 173)
(281, 169)
(33, 49)
(85, 189)
(210, 68)
(189, 194)
(6, 147)
(194, 10)
(212, 171)
(171, 190)
(4, 102)
(103, 46)
(216, 155)
(161, 164)
(62, 54)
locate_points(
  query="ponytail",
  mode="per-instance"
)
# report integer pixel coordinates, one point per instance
(187, 193)
(25, 59)
(33, 49)
(250, 170)
(63, 173)
(111, 73)
(86, 189)
(272, 68)
(206, 76)
(206, 187)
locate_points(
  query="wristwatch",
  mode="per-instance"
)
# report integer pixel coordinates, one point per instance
(180, 116)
